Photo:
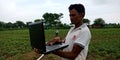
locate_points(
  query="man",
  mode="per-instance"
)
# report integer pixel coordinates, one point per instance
(78, 37)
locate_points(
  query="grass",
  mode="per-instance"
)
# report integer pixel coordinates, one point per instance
(13, 42)
(104, 45)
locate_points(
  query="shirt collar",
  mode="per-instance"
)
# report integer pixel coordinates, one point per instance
(80, 27)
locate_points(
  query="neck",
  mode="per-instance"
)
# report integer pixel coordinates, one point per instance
(78, 24)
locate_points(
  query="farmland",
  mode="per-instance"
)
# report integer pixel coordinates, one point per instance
(104, 45)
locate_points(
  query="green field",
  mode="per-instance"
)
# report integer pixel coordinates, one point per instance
(104, 45)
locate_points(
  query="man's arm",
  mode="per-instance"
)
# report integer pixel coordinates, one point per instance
(70, 55)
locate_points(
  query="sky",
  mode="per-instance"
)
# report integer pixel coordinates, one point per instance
(29, 10)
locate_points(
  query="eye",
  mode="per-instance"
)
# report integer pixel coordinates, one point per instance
(72, 14)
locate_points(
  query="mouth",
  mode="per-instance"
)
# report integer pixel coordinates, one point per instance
(72, 21)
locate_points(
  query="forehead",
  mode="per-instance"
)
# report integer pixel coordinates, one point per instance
(73, 11)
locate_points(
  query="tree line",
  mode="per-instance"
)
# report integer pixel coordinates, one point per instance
(52, 20)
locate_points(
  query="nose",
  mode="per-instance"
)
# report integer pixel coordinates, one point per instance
(71, 17)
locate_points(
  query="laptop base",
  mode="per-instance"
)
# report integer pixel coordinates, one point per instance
(53, 48)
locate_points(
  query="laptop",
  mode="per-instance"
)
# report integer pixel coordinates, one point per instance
(37, 39)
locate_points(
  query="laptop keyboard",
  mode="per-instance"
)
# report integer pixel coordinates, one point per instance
(53, 47)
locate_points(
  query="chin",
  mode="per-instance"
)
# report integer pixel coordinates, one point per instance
(72, 23)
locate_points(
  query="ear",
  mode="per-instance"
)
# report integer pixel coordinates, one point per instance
(82, 15)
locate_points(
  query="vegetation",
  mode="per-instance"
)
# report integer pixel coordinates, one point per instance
(15, 42)
(104, 45)
(52, 20)
(86, 21)
(99, 21)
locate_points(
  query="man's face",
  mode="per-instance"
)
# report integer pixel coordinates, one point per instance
(75, 17)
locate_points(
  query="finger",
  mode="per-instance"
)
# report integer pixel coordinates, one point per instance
(48, 43)
(51, 43)
(35, 50)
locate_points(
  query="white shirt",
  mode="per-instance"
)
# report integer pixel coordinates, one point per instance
(80, 36)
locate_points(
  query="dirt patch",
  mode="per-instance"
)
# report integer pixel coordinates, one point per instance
(33, 56)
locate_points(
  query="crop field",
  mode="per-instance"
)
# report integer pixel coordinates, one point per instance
(15, 44)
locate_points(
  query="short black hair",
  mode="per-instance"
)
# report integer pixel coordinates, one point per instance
(79, 7)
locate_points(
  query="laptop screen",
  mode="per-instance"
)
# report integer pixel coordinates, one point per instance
(37, 37)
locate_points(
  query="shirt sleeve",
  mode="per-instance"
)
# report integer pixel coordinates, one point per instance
(83, 39)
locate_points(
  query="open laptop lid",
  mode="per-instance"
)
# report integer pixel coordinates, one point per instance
(37, 37)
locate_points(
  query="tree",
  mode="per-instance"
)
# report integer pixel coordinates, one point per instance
(99, 22)
(27, 23)
(19, 24)
(38, 20)
(51, 19)
(9, 25)
(2, 25)
(87, 21)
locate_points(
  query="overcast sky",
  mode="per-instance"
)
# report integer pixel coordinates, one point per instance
(29, 10)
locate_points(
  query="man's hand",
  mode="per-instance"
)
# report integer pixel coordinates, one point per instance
(36, 50)
(54, 41)
(51, 42)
